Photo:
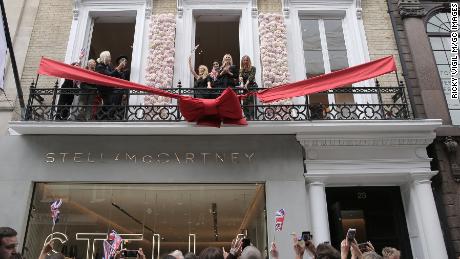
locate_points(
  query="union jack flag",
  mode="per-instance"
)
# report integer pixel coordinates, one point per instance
(112, 244)
(279, 219)
(55, 205)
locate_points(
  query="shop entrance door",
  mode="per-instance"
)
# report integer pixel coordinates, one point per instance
(376, 213)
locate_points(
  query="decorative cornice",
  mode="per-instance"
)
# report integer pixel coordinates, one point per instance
(254, 10)
(148, 9)
(422, 177)
(390, 141)
(286, 4)
(411, 8)
(76, 9)
(180, 8)
(359, 10)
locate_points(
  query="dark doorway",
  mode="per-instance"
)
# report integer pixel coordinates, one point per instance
(217, 36)
(376, 213)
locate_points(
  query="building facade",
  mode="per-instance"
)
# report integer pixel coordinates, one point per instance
(360, 162)
(423, 32)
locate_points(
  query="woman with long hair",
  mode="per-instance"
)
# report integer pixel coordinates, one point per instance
(228, 72)
(202, 80)
(247, 78)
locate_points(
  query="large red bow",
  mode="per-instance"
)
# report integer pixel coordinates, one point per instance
(212, 112)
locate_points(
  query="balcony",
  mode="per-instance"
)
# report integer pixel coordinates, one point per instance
(43, 105)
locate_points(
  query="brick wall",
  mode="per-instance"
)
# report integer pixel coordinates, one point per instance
(164, 6)
(49, 38)
(269, 6)
(380, 38)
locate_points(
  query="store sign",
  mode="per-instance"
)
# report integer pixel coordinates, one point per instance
(155, 158)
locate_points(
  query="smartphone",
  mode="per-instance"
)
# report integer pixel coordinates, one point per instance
(246, 242)
(306, 235)
(351, 234)
(129, 253)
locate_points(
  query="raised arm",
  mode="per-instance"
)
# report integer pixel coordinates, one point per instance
(191, 68)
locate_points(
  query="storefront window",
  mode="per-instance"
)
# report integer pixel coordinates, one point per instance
(156, 217)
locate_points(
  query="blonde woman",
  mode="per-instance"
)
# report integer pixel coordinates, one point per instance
(228, 73)
(202, 80)
(247, 78)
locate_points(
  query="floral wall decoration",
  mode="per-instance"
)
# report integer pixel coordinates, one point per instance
(160, 60)
(273, 49)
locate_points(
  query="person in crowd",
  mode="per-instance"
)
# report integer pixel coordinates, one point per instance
(370, 255)
(228, 73)
(104, 67)
(66, 99)
(247, 77)
(190, 255)
(177, 254)
(300, 246)
(211, 253)
(88, 95)
(390, 253)
(202, 80)
(326, 251)
(46, 252)
(250, 252)
(346, 247)
(8, 243)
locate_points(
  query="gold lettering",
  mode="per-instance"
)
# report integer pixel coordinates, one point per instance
(149, 159)
(132, 158)
(89, 158)
(76, 157)
(117, 157)
(63, 156)
(235, 158)
(249, 156)
(221, 158)
(50, 158)
(189, 157)
(177, 158)
(204, 157)
(165, 161)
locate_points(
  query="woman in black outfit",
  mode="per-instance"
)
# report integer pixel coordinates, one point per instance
(228, 73)
(107, 93)
(202, 81)
(248, 81)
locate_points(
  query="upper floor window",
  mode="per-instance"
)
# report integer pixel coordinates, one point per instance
(324, 51)
(438, 31)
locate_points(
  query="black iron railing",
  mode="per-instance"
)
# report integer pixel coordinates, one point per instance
(92, 104)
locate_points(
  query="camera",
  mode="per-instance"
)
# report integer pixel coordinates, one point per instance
(306, 236)
(351, 234)
(129, 253)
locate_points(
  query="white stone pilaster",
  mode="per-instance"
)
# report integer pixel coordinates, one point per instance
(428, 215)
(318, 212)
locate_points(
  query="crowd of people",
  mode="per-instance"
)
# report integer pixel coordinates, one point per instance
(9, 243)
(97, 102)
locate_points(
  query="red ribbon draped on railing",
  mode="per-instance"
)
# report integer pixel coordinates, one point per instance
(226, 108)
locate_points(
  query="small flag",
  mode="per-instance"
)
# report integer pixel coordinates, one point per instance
(55, 205)
(279, 220)
(112, 244)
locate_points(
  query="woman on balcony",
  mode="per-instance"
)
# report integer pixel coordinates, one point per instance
(228, 73)
(248, 82)
(202, 80)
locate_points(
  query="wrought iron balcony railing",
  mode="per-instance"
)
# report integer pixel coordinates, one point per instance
(92, 104)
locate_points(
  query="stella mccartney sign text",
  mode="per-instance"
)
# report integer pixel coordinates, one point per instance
(154, 158)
